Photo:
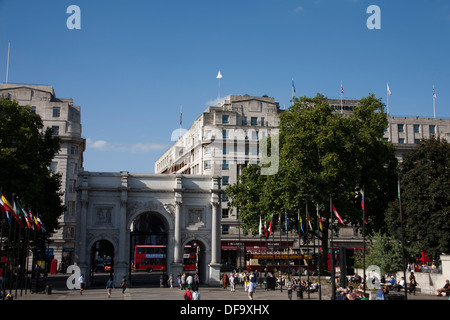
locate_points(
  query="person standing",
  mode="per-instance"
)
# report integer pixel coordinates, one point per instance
(109, 286)
(412, 283)
(124, 284)
(81, 282)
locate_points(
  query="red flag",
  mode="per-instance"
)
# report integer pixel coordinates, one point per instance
(342, 88)
(338, 216)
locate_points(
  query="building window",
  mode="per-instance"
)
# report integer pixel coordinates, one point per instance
(225, 213)
(224, 150)
(244, 121)
(416, 128)
(225, 119)
(253, 121)
(416, 141)
(207, 150)
(225, 180)
(225, 229)
(55, 130)
(207, 165)
(71, 208)
(225, 165)
(224, 197)
(225, 134)
(56, 112)
(33, 109)
(262, 121)
(208, 134)
(53, 166)
(432, 129)
(72, 185)
(254, 135)
(74, 150)
(400, 127)
(401, 140)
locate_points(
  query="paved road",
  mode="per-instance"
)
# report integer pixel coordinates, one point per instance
(152, 291)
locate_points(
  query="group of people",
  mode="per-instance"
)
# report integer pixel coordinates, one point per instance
(248, 280)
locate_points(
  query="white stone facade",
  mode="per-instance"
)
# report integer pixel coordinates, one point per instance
(65, 119)
(109, 203)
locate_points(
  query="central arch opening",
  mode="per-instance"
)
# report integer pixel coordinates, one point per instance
(148, 258)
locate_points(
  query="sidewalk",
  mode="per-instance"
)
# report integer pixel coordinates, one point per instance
(60, 292)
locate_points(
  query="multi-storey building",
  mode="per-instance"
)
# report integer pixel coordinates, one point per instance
(225, 138)
(65, 120)
(221, 142)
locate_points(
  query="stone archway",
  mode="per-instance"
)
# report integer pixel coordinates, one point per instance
(101, 265)
(186, 206)
(203, 255)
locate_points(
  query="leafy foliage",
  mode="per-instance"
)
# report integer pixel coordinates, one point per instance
(425, 190)
(26, 151)
(323, 154)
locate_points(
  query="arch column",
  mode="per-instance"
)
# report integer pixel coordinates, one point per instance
(214, 266)
(177, 254)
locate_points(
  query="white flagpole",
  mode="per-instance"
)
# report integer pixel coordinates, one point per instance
(434, 103)
(181, 119)
(388, 93)
(341, 96)
(219, 76)
(7, 63)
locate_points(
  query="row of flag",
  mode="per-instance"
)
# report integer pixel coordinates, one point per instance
(342, 89)
(16, 211)
(268, 228)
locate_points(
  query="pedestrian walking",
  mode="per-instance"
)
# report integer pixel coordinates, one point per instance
(250, 289)
(124, 284)
(81, 282)
(109, 286)
(187, 294)
(232, 282)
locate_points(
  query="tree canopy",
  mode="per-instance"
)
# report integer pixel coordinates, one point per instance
(425, 192)
(323, 154)
(26, 152)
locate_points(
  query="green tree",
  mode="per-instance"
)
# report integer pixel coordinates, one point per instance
(324, 154)
(425, 191)
(26, 151)
(384, 253)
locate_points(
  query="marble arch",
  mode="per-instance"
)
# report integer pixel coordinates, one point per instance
(188, 205)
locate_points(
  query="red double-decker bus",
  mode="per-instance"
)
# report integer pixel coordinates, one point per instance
(153, 258)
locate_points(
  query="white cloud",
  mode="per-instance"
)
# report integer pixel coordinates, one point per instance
(216, 102)
(102, 145)
(299, 9)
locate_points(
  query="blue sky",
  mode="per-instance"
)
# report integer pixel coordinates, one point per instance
(133, 64)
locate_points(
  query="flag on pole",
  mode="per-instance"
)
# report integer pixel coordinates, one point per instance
(219, 75)
(388, 90)
(286, 221)
(265, 226)
(270, 225)
(434, 93)
(363, 206)
(342, 88)
(319, 219)
(181, 116)
(308, 220)
(260, 226)
(16, 214)
(402, 213)
(300, 221)
(293, 86)
(338, 216)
